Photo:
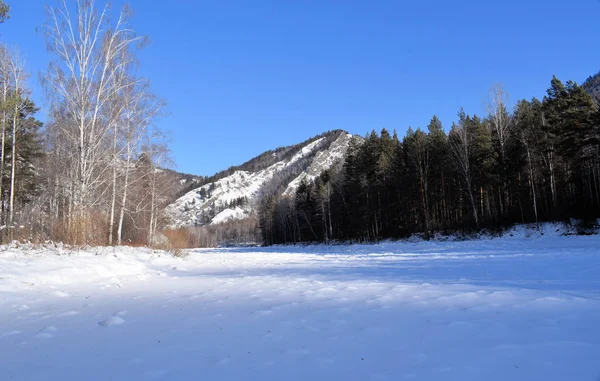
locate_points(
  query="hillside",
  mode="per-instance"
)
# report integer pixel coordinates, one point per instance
(173, 183)
(592, 86)
(235, 193)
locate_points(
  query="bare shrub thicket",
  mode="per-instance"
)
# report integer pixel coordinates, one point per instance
(234, 232)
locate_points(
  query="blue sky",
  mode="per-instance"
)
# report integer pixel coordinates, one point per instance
(241, 77)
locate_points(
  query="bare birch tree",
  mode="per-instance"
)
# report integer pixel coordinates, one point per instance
(500, 123)
(499, 118)
(84, 77)
(142, 109)
(460, 144)
(19, 101)
(5, 78)
(158, 153)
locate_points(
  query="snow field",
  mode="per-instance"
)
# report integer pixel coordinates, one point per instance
(514, 308)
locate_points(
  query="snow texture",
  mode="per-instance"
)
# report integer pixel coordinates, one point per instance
(522, 307)
(188, 209)
(323, 161)
(229, 214)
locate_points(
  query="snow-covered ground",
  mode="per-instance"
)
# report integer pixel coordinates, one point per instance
(514, 308)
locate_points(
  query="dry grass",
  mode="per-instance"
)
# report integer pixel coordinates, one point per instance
(177, 241)
(90, 229)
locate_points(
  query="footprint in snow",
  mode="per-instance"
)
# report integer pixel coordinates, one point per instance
(116, 319)
(60, 294)
(224, 361)
(262, 313)
(157, 373)
(285, 305)
(113, 320)
(10, 333)
(68, 313)
(46, 332)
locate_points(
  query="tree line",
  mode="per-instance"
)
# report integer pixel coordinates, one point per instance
(537, 162)
(92, 174)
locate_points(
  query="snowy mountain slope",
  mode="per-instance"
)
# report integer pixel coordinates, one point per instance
(236, 196)
(323, 160)
(229, 214)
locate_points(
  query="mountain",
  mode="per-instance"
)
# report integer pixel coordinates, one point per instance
(235, 194)
(592, 86)
(171, 183)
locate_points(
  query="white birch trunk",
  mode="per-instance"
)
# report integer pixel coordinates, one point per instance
(114, 189)
(13, 166)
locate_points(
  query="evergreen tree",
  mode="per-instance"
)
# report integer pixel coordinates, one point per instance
(417, 151)
(29, 154)
(439, 172)
(461, 143)
(545, 166)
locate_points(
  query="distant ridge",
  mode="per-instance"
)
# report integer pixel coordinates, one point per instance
(235, 193)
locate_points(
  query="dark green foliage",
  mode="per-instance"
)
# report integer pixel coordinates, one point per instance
(29, 153)
(28, 160)
(547, 168)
